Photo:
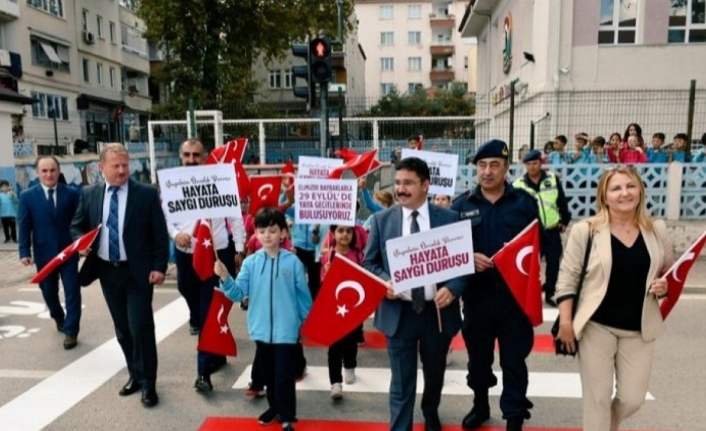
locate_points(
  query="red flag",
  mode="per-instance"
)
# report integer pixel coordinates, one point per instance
(361, 166)
(264, 192)
(346, 154)
(676, 276)
(231, 151)
(288, 172)
(523, 279)
(216, 336)
(79, 245)
(204, 256)
(420, 139)
(348, 295)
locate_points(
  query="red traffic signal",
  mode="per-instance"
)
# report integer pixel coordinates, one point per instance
(320, 60)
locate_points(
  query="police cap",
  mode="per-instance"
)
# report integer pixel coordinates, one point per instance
(532, 155)
(492, 148)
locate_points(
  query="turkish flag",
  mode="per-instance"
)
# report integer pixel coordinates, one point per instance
(216, 336)
(264, 192)
(361, 165)
(288, 172)
(676, 275)
(348, 295)
(420, 139)
(204, 255)
(518, 263)
(79, 245)
(231, 151)
(346, 154)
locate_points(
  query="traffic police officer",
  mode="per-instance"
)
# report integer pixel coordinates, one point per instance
(554, 214)
(498, 212)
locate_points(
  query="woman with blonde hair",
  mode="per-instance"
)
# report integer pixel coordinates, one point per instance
(617, 319)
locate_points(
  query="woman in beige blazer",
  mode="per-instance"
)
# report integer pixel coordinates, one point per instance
(618, 317)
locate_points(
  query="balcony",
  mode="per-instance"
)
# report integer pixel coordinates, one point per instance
(478, 17)
(442, 48)
(442, 21)
(442, 74)
(9, 10)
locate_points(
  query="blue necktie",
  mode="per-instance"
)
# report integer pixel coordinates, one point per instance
(418, 301)
(50, 201)
(113, 226)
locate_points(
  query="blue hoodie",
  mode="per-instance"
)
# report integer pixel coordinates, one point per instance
(279, 298)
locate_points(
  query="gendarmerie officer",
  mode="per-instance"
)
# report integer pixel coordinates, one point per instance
(498, 212)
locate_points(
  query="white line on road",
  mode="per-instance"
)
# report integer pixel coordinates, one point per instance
(377, 380)
(25, 374)
(61, 391)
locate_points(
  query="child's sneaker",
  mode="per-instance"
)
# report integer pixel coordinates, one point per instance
(254, 392)
(287, 427)
(349, 375)
(336, 391)
(268, 417)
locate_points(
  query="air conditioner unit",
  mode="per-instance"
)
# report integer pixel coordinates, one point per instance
(88, 37)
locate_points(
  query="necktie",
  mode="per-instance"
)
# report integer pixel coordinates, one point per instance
(417, 292)
(113, 227)
(50, 201)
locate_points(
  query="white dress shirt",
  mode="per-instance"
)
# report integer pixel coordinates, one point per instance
(46, 192)
(103, 248)
(424, 225)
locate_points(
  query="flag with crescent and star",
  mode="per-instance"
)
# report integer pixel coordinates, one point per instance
(79, 245)
(360, 165)
(348, 295)
(264, 192)
(215, 336)
(518, 264)
(676, 275)
(232, 153)
(204, 257)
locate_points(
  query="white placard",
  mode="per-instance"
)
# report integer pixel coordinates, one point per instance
(443, 169)
(325, 201)
(316, 167)
(430, 257)
(199, 192)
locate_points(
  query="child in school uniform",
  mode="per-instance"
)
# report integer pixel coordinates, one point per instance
(279, 301)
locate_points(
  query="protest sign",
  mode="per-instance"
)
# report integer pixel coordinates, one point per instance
(442, 170)
(316, 167)
(323, 201)
(199, 192)
(431, 256)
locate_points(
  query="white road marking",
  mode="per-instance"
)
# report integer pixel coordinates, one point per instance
(25, 374)
(549, 314)
(83, 376)
(377, 380)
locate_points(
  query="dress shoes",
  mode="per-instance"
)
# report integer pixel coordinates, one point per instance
(432, 422)
(475, 418)
(130, 388)
(70, 342)
(203, 384)
(149, 397)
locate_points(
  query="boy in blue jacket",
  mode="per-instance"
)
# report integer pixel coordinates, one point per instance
(279, 301)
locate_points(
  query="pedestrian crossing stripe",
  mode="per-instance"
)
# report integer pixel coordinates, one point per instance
(548, 314)
(377, 380)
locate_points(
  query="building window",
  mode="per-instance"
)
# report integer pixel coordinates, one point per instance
(465, 62)
(111, 71)
(86, 74)
(130, 4)
(414, 37)
(412, 87)
(387, 64)
(287, 78)
(49, 54)
(387, 88)
(50, 106)
(687, 21)
(414, 11)
(387, 38)
(275, 79)
(99, 26)
(414, 64)
(84, 19)
(99, 72)
(111, 29)
(386, 12)
(618, 22)
(54, 7)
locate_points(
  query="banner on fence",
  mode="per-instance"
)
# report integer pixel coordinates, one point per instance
(316, 167)
(443, 168)
(324, 201)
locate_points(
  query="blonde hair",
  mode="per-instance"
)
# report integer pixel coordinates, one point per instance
(111, 148)
(602, 218)
(384, 197)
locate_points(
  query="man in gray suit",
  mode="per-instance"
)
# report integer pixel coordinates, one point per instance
(409, 321)
(129, 257)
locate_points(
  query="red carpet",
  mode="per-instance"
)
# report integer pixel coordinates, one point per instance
(543, 343)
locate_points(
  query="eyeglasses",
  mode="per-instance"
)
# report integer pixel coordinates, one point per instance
(406, 183)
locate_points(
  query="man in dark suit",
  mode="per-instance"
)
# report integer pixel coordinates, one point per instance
(45, 214)
(409, 320)
(129, 257)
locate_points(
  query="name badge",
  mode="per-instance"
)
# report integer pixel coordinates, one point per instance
(470, 214)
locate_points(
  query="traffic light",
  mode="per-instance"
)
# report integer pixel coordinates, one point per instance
(307, 92)
(320, 60)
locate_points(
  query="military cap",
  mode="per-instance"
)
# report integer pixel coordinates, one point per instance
(532, 155)
(492, 148)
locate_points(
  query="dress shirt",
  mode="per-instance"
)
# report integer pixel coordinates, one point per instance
(104, 235)
(219, 229)
(424, 225)
(46, 192)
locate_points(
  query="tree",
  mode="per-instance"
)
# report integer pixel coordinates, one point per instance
(210, 46)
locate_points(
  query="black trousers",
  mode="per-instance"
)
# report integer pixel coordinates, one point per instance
(278, 365)
(344, 351)
(8, 226)
(313, 269)
(551, 249)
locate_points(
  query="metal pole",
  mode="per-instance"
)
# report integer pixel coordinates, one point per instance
(323, 133)
(690, 118)
(340, 118)
(56, 132)
(532, 135)
(192, 119)
(511, 142)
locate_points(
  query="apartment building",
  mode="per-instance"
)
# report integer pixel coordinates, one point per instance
(412, 45)
(86, 65)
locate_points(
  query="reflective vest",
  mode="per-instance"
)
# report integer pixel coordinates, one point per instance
(546, 199)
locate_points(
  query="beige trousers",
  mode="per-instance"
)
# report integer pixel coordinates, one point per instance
(606, 354)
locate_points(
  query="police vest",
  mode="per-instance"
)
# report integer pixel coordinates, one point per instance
(546, 199)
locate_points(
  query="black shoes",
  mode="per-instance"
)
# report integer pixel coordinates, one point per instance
(70, 342)
(432, 422)
(59, 324)
(203, 384)
(476, 417)
(268, 417)
(194, 330)
(149, 397)
(514, 424)
(130, 388)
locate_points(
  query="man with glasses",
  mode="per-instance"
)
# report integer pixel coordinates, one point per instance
(409, 320)
(498, 212)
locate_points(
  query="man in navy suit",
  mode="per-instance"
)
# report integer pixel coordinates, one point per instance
(129, 257)
(409, 320)
(45, 214)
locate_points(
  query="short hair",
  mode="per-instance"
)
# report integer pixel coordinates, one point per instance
(111, 148)
(266, 217)
(416, 165)
(4, 183)
(561, 138)
(190, 141)
(599, 140)
(659, 135)
(681, 136)
(384, 197)
(40, 158)
(413, 138)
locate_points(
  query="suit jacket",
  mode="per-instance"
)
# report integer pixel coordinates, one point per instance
(145, 235)
(387, 224)
(46, 232)
(659, 246)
